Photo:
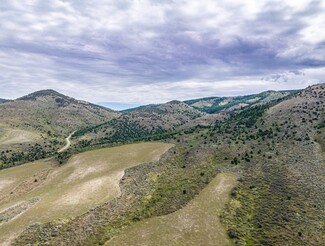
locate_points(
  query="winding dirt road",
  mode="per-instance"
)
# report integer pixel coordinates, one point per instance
(68, 143)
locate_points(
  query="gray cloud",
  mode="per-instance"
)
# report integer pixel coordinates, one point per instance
(148, 51)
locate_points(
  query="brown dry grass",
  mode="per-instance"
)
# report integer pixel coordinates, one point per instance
(87, 180)
(15, 136)
(196, 224)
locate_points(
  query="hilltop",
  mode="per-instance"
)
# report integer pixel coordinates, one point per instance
(34, 126)
(48, 110)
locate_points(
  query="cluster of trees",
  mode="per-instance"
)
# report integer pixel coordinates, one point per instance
(63, 156)
(10, 158)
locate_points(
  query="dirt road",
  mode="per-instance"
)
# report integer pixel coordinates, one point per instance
(67, 143)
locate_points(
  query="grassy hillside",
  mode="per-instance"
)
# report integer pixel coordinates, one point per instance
(19, 146)
(51, 112)
(197, 223)
(140, 123)
(280, 200)
(34, 126)
(216, 104)
(147, 190)
(39, 192)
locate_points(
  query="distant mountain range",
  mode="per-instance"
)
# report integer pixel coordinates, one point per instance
(217, 104)
(3, 100)
(50, 112)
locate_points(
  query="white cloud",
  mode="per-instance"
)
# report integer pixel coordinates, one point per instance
(315, 31)
(145, 51)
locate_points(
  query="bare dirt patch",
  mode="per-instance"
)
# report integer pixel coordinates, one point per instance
(4, 183)
(15, 210)
(14, 136)
(89, 190)
(25, 186)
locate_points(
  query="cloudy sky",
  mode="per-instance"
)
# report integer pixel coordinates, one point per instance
(144, 51)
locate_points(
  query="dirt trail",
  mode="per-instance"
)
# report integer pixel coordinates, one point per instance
(15, 210)
(196, 224)
(67, 143)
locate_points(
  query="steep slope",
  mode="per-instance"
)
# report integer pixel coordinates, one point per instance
(34, 126)
(280, 200)
(195, 224)
(49, 110)
(142, 122)
(217, 104)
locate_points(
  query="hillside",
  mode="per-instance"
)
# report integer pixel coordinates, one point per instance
(282, 191)
(218, 109)
(34, 126)
(157, 119)
(49, 110)
(217, 104)
(40, 192)
(141, 122)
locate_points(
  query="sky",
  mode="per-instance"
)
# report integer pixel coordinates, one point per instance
(133, 52)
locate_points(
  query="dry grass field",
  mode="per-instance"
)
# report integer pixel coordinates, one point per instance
(9, 136)
(196, 224)
(37, 192)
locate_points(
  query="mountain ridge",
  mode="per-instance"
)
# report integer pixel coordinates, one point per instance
(42, 93)
(142, 122)
(2, 100)
(218, 100)
(55, 94)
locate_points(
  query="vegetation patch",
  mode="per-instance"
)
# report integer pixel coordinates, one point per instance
(195, 224)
